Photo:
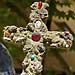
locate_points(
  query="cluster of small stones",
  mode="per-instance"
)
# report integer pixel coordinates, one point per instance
(34, 37)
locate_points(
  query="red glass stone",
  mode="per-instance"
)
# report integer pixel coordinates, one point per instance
(36, 37)
(39, 5)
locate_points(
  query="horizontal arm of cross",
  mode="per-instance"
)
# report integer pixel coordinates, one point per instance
(58, 39)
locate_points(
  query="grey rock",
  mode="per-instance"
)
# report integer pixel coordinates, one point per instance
(6, 65)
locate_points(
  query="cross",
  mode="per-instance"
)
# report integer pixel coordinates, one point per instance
(35, 37)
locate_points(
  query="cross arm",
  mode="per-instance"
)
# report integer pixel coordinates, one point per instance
(58, 39)
(15, 34)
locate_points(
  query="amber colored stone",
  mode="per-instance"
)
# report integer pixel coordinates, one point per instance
(7, 34)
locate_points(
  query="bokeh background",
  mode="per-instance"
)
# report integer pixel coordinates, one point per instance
(61, 17)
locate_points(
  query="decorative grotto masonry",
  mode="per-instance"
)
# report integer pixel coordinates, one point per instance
(34, 38)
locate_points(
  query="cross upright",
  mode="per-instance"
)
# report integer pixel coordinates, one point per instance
(35, 37)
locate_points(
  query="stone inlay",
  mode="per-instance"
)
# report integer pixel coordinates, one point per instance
(33, 57)
(37, 24)
(36, 37)
(39, 5)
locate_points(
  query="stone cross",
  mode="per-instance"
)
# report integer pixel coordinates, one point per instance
(34, 38)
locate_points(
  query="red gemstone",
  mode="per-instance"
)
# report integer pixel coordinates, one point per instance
(36, 37)
(39, 5)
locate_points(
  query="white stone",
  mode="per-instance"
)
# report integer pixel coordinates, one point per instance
(37, 24)
(67, 46)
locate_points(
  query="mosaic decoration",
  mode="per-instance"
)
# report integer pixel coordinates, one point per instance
(34, 38)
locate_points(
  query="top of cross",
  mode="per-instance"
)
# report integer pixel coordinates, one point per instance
(39, 5)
